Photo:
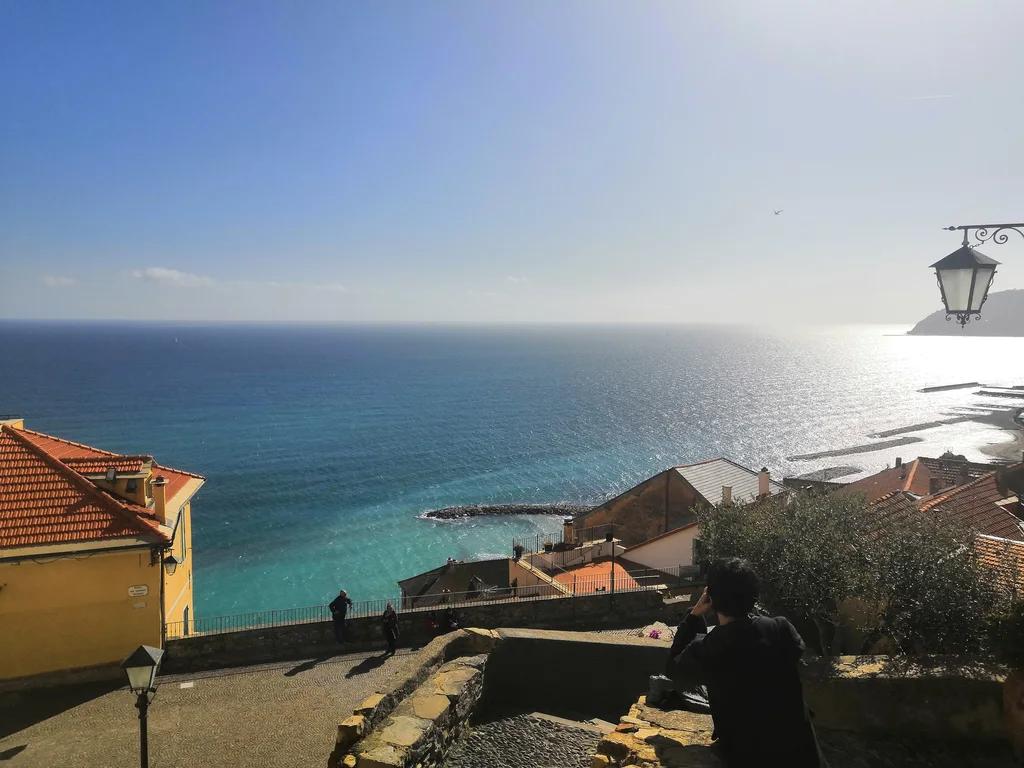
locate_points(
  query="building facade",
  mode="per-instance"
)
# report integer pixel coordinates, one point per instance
(95, 553)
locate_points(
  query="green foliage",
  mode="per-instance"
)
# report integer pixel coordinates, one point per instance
(831, 561)
(1008, 635)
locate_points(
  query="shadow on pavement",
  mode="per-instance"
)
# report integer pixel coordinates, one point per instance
(20, 709)
(7, 754)
(305, 666)
(367, 665)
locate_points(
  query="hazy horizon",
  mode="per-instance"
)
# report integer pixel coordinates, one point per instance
(581, 162)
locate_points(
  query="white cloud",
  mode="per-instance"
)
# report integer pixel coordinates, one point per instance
(172, 277)
(58, 281)
(516, 280)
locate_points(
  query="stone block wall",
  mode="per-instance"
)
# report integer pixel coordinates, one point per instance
(296, 641)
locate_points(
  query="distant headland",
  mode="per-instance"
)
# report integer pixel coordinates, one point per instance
(1002, 315)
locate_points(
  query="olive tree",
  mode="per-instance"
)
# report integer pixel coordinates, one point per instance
(832, 560)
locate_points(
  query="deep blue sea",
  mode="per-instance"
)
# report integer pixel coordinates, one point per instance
(322, 444)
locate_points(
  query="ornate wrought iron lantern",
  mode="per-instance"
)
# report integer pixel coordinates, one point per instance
(965, 275)
(964, 278)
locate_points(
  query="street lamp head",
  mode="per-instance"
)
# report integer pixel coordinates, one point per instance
(141, 668)
(964, 278)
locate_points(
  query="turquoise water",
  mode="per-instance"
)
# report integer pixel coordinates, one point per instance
(322, 445)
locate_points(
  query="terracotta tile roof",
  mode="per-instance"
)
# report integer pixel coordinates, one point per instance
(915, 477)
(71, 452)
(42, 501)
(893, 507)
(87, 465)
(1004, 559)
(978, 505)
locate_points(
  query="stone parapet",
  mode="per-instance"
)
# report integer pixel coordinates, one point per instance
(648, 737)
(422, 727)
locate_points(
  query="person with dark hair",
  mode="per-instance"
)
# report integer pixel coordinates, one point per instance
(339, 610)
(750, 667)
(389, 620)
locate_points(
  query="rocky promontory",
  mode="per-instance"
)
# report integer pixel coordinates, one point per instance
(480, 510)
(1002, 315)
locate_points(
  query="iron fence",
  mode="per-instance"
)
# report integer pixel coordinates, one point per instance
(563, 585)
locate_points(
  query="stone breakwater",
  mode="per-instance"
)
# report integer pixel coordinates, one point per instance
(481, 510)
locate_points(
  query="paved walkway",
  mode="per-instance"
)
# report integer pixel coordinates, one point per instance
(283, 715)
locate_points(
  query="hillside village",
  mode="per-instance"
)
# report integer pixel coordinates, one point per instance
(98, 545)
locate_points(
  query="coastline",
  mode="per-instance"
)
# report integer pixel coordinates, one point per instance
(1010, 422)
(462, 511)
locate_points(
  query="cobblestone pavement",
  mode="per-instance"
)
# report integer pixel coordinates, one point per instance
(283, 715)
(524, 741)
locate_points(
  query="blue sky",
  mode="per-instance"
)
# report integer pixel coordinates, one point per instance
(570, 161)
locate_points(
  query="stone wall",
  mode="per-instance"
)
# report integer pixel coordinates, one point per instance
(296, 641)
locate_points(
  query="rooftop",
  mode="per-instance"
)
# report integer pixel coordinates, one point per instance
(708, 478)
(46, 498)
(981, 504)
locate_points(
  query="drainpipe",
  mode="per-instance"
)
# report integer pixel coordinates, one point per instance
(667, 479)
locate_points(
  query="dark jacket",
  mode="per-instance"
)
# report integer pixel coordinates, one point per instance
(339, 607)
(750, 667)
(390, 621)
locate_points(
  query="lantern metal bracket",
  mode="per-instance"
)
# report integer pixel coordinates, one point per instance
(997, 233)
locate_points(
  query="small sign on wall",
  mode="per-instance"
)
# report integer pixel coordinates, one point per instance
(138, 590)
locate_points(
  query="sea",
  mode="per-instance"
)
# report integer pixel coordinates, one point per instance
(323, 445)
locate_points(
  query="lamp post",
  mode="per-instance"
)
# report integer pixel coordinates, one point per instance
(141, 668)
(966, 274)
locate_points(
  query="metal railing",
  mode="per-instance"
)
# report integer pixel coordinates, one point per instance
(575, 587)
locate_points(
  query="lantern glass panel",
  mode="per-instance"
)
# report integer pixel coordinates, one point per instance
(140, 678)
(981, 284)
(956, 285)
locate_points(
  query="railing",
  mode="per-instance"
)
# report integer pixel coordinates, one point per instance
(633, 581)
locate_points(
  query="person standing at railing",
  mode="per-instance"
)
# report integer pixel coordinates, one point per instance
(339, 610)
(390, 622)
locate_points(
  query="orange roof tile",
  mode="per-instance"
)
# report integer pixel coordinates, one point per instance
(977, 505)
(1004, 560)
(71, 452)
(45, 498)
(915, 477)
(87, 465)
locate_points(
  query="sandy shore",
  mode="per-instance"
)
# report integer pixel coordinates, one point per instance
(1010, 421)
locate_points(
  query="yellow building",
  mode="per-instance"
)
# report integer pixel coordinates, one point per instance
(95, 554)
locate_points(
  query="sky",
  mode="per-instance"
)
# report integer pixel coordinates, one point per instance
(564, 161)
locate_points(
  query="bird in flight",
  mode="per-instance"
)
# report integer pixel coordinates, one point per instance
(777, 212)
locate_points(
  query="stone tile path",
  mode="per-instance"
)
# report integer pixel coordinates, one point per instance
(283, 715)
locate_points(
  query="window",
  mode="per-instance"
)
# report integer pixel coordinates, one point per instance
(132, 486)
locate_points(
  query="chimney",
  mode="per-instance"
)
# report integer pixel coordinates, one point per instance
(899, 462)
(727, 494)
(763, 488)
(568, 534)
(160, 497)
(934, 484)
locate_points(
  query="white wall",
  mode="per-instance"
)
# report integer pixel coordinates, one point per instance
(667, 551)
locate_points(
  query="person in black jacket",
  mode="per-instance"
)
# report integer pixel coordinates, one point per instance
(339, 609)
(389, 620)
(750, 667)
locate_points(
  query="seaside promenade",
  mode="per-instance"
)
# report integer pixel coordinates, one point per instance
(283, 715)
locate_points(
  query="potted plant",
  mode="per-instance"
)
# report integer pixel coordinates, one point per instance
(548, 545)
(517, 551)
(609, 536)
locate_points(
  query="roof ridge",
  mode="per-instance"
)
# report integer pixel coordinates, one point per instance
(67, 442)
(933, 501)
(910, 475)
(108, 501)
(157, 465)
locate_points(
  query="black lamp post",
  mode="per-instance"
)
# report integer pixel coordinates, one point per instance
(965, 275)
(141, 668)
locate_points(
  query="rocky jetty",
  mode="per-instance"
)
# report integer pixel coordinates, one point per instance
(481, 510)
